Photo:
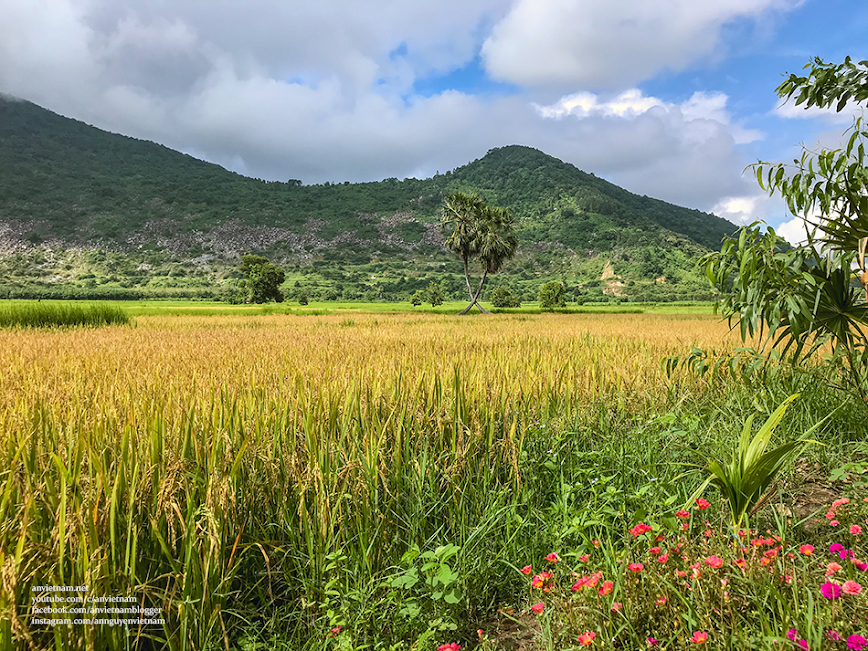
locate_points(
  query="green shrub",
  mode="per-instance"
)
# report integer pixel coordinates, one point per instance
(503, 297)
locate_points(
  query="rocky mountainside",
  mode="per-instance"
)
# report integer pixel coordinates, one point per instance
(87, 212)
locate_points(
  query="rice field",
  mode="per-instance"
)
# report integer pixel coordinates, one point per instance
(285, 481)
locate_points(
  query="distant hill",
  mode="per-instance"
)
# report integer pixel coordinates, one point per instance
(92, 213)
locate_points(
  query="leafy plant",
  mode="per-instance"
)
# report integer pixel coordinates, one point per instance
(743, 481)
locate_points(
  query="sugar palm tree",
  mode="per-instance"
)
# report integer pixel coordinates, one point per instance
(478, 232)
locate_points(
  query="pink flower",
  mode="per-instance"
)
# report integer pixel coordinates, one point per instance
(803, 644)
(640, 528)
(553, 557)
(538, 607)
(527, 569)
(699, 637)
(834, 548)
(834, 523)
(334, 631)
(855, 529)
(452, 646)
(663, 558)
(807, 550)
(830, 590)
(595, 543)
(586, 638)
(702, 503)
(856, 642)
(584, 558)
(652, 641)
(654, 551)
(681, 513)
(606, 588)
(851, 588)
(791, 634)
(635, 567)
(661, 601)
(617, 606)
(831, 568)
(841, 501)
(833, 635)
(715, 561)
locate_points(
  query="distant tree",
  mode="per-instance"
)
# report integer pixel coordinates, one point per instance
(552, 295)
(263, 279)
(503, 297)
(434, 295)
(418, 298)
(479, 232)
(302, 297)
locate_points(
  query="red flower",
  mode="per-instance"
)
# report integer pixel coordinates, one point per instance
(553, 557)
(527, 569)
(452, 646)
(663, 558)
(607, 587)
(715, 561)
(807, 550)
(702, 503)
(537, 608)
(640, 528)
(586, 638)
(584, 558)
(699, 637)
(635, 567)
(681, 513)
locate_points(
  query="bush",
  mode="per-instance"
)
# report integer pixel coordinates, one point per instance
(503, 297)
(552, 295)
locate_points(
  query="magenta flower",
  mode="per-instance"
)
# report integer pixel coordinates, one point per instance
(830, 590)
(791, 634)
(856, 642)
(835, 548)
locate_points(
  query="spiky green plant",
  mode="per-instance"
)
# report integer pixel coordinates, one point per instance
(743, 481)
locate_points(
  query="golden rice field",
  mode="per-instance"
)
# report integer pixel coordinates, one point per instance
(203, 463)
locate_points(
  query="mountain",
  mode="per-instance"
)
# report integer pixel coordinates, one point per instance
(95, 213)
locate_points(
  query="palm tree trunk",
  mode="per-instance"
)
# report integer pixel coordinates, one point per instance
(474, 298)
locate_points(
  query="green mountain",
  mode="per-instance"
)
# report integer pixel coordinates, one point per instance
(86, 212)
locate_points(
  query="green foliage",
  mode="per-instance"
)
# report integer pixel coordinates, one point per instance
(478, 232)
(803, 297)
(744, 480)
(551, 295)
(47, 315)
(418, 297)
(263, 279)
(503, 297)
(434, 294)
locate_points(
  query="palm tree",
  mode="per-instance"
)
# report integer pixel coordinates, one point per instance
(479, 232)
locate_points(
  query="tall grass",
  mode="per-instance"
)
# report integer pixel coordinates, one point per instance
(46, 315)
(266, 479)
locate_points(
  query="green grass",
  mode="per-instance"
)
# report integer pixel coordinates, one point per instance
(216, 308)
(34, 314)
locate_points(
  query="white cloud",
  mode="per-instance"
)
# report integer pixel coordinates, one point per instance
(323, 91)
(610, 43)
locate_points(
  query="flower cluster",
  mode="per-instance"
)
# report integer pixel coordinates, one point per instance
(642, 587)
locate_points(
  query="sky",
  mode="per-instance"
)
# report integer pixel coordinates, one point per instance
(668, 98)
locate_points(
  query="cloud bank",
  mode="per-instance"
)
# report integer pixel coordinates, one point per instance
(328, 90)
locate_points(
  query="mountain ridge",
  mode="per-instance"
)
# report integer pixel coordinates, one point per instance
(65, 185)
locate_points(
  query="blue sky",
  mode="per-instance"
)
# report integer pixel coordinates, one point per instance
(669, 98)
